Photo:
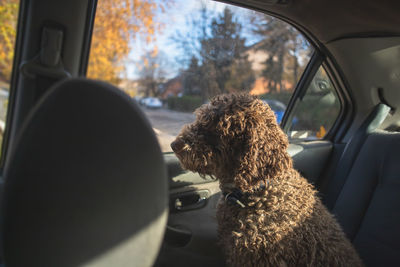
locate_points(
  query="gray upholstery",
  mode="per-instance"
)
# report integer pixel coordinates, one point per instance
(85, 184)
(333, 185)
(368, 206)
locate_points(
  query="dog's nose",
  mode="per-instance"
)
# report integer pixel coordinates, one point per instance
(177, 145)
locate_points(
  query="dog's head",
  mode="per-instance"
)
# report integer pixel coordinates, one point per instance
(236, 139)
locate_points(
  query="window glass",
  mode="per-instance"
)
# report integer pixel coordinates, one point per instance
(8, 26)
(316, 113)
(172, 56)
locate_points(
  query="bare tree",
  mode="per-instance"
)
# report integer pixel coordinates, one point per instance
(189, 41)
(152, 72)
(284, 46)
(219, 49)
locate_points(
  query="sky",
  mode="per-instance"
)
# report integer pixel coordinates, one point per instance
(175, 19)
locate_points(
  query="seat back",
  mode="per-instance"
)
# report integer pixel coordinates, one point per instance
(368, 207)
(85, 183)
(332, 185)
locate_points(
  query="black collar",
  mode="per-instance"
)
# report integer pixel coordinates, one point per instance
(234, 196)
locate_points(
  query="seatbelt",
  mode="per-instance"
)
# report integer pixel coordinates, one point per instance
(353, 147)
(47, 67)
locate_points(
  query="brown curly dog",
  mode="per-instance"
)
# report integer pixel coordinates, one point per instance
(270, 215)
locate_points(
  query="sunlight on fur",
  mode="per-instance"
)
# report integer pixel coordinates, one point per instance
(280, 220)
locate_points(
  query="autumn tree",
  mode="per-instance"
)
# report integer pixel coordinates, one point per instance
(192, 78)
(117, 24)
(8, 25)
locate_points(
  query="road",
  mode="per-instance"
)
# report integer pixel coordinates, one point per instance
(167, 124)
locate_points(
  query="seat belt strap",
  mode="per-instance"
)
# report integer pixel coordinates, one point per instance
(47, 66)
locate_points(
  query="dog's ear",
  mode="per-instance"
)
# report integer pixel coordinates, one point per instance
(256, 145)
(230, 129)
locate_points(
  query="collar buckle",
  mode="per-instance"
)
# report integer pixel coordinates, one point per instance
(236, 197)
(233, 198)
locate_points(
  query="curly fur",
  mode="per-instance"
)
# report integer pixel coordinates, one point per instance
(237, 140)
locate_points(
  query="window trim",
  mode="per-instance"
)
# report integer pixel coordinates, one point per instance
(333, 70)
(86, 45)
(301, 88)
(343, 119)
(20, 29)
(346, 114)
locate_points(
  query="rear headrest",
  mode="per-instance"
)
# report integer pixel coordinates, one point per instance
(85, 183)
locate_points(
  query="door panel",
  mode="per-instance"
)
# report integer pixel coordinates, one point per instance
(310, 158)
(178, 177)
(191, 235)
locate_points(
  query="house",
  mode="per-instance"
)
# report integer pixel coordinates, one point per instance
(172, 87)
(260, 86)
(258, 56)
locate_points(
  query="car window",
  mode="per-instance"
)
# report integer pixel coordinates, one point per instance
(173, 56)
(8, 28)
(317, 111)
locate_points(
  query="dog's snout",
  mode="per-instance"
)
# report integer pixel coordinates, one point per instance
(177, 145)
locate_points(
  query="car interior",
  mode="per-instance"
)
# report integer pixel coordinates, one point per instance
(85, 183)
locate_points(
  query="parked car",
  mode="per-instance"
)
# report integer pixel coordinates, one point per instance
(279, 109)
(151, 102)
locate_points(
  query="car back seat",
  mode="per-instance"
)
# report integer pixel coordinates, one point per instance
(363, 191)
(368, 206)
(336, 175)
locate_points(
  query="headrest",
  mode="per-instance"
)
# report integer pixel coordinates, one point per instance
(85, 183)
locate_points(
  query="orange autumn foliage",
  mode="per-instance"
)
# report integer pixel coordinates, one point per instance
(117, 24)
(8, 25)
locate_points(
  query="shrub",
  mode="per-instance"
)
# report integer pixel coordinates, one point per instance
(185, 103)
(314, 111)
(281, 97)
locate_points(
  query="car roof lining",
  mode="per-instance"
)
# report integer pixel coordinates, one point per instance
(356, 56)
(357, 35)
(330, 20)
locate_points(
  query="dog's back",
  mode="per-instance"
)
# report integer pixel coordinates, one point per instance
(284, 225)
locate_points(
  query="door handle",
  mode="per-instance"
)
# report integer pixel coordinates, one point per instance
(201, 202)
(189, 200)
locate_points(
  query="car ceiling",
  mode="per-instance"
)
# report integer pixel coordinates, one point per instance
(329, 20)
